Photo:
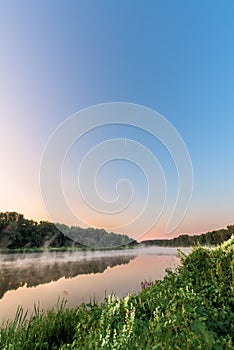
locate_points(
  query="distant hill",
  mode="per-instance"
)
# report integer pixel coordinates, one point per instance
(16, 232)
(212, 238)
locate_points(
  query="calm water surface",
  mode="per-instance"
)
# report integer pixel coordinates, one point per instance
(43, 278)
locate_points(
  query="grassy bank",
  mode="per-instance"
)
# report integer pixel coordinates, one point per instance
(64, 249)
(192, 308)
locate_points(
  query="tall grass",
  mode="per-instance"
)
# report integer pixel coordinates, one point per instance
(192, 308)
(43, 330)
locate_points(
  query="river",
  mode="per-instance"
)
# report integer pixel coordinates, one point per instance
(42, 279)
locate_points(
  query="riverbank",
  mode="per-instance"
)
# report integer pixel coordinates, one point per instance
(189, 309)
(65, 249)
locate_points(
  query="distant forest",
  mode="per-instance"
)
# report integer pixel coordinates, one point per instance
(16, 232)
(212, 238)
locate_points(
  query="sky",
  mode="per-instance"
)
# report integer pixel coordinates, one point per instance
(176, 58)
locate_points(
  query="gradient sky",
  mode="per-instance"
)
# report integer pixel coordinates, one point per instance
(177, 58)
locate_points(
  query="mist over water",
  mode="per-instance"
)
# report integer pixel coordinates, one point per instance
(43, 278)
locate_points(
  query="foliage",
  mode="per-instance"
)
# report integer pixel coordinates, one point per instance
(192, 308)
(16, 232)
(43, 331)
(205, 239)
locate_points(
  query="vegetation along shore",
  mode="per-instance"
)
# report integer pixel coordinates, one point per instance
(18, 234)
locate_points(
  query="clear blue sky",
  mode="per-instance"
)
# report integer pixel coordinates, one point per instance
(176, 57)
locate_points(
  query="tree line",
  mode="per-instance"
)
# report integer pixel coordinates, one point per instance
(211, 238)
(17, 232)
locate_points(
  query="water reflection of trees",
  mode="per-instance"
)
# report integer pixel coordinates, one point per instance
(14, 276)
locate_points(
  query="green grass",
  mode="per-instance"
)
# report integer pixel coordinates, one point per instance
(192, 308)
